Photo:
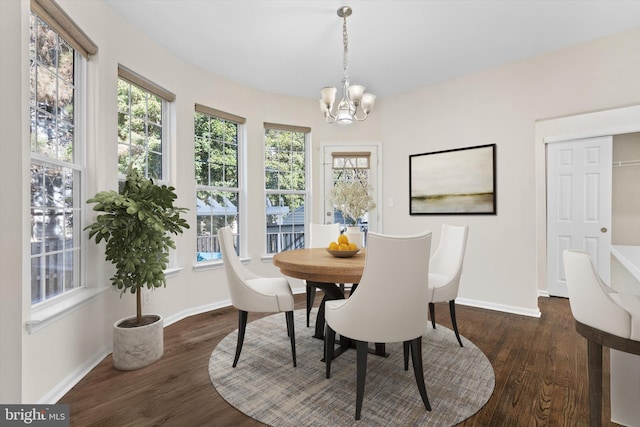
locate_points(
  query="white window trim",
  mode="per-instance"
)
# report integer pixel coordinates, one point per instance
(55, 306)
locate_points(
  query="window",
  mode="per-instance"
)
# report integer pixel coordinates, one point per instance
(285, 186)
(142, 129)
(56, 73)
(217, 171)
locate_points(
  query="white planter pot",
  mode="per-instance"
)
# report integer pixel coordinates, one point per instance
(135, 348)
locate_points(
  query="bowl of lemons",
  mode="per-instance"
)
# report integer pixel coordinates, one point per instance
(343, 248)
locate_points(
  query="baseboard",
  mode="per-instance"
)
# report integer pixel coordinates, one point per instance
(73, 378)
(176, 317)
(300, 290)
(543, 293)
(499, 307)
(475, 303)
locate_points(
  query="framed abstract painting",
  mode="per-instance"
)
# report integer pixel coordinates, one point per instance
(457, 181)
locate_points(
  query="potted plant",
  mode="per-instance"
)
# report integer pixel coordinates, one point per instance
(136, 225)
(353, 200)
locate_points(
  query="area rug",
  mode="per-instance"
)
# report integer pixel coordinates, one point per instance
(265, 385)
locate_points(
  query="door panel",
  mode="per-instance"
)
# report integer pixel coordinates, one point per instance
(578, 205)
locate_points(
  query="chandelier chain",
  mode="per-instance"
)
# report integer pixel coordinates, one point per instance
(345, 43)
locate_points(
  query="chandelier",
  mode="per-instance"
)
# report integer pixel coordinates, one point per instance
(353, 96)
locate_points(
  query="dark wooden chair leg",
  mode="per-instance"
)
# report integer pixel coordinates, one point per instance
(362, 350)
(286, 316)
(291, 330)
(311, 296)
(242, 326)
(452, 310)
(432, 314)
(594, 351)
(416, 357)
(405, 348)
(330, 337)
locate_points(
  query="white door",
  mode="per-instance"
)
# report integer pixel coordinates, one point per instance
(341, 160)
(578, 205)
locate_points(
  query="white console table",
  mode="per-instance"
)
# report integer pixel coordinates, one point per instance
(625, 367)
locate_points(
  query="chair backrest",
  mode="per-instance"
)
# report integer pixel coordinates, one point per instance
(589, 296)
(391, 300)
(449, 255)
(320, 235)
(237, 273)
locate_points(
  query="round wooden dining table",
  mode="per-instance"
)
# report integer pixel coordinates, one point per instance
(322, 270)
(318, 265)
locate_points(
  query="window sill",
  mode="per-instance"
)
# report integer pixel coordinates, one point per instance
(171, 272)
(207, 265)
(44, 316)
(213, 265)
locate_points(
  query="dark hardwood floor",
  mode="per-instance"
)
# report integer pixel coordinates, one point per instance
(540, 369)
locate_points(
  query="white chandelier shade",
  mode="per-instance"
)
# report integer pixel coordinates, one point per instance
(355, 103)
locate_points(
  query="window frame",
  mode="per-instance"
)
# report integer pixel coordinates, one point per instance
(306, 193)
(239, 122)
(166, 97)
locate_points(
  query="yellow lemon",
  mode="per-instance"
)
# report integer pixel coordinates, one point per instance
(343, 238)
(333, 246)
(353, 246)
(343, 247)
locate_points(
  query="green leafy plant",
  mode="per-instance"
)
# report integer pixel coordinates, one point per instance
(136, 225)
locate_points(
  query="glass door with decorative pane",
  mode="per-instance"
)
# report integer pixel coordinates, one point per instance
(351, 163)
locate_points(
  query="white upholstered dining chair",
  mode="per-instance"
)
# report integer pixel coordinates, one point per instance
(603, 316)
(445, 269)
(250, 292)
(388, 305)
(320, 235)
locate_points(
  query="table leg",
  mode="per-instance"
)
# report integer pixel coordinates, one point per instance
(594, 361)
(331, 292)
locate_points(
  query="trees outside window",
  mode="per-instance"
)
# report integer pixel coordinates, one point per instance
(140, 131)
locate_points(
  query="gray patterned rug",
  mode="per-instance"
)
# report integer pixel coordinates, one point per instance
(266, 386)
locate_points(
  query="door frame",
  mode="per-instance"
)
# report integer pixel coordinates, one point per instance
(586, 125)
(352, 146)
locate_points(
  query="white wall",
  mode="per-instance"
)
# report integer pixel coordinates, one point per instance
(12, 87)
(496, 106)
(501, 106)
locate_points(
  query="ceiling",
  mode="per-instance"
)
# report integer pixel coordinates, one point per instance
(294, 47)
